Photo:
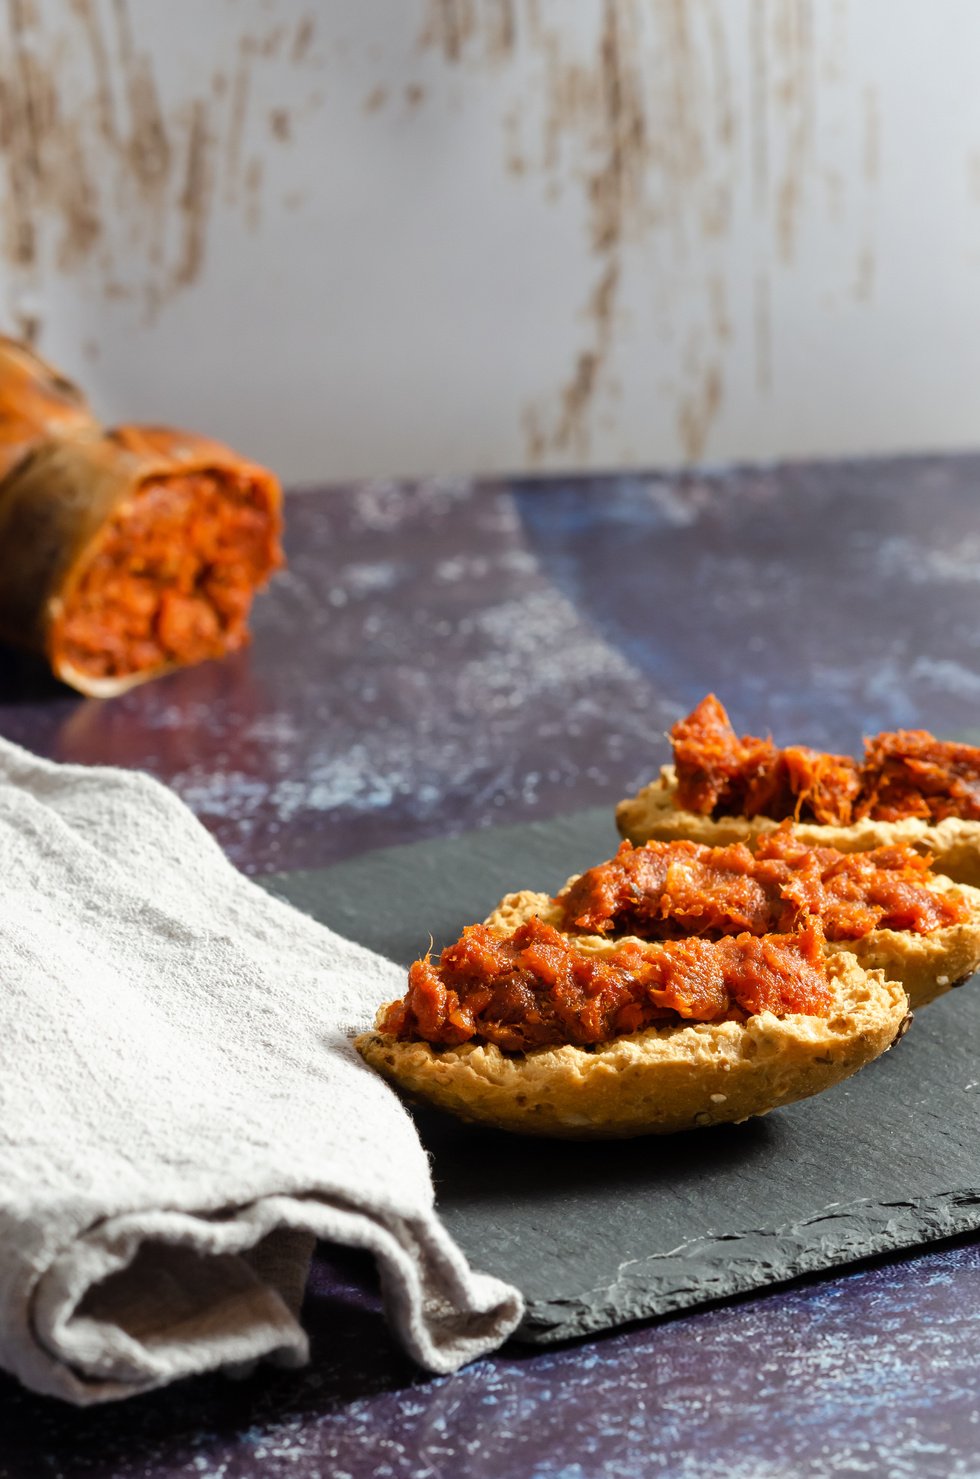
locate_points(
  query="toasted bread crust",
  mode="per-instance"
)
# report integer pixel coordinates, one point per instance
(926, 965)
(658, 1081)
(651, 813)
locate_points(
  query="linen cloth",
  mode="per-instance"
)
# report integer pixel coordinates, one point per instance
(181, 1110)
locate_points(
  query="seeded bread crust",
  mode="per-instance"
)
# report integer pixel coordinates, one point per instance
(652, 813)
(926, 965)
(659, 1081)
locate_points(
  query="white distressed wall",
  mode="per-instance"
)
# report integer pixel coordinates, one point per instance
(395, 236)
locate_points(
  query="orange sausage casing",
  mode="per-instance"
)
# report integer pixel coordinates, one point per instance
(124, 553)
(36, 402)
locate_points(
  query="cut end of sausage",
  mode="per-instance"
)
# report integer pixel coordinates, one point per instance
(169, 580)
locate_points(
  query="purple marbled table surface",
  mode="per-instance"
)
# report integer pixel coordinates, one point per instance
(444, 656)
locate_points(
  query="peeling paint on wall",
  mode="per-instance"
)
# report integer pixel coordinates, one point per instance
(99, 173)
(654, 110)
(195, 196)
(303, 38)
(864, 280)
(672, 211)
(450, 25)
(601, 108)
(650, 127)
(485, 28)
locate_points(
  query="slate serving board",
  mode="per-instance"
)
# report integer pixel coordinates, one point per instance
(596, 1235)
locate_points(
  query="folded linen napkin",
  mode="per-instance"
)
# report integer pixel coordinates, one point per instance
(181, 1112)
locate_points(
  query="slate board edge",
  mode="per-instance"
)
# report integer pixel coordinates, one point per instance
(752, 1262)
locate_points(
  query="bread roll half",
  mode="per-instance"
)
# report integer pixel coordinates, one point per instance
(661, 1080)
(652, 814)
